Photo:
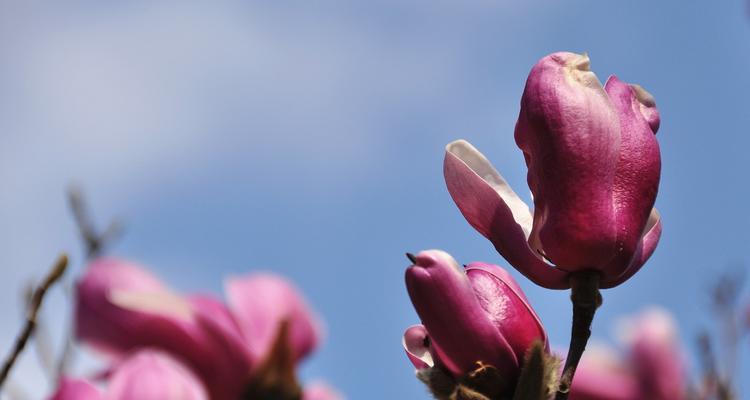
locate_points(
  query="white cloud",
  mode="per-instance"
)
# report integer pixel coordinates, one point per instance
(128, 97)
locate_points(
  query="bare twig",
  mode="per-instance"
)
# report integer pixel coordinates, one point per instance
(94, 243)
(725, 296)
(42, 343)
(36, 301)
(93, 240)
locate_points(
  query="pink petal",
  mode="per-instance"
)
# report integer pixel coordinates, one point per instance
(76, 389)
(226, 372)
(259, 302)
(569, 133)
(656, 355)
(121, 308)
(602, 376)
(154, 375)
(493, 209)
(320, 391)
(507, 306)
(638, 169)
(645, 249)
(416, 343)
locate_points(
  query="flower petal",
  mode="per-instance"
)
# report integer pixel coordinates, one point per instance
(493, 209)
(645, 249)
(226, 372)
(416, 343)
(638, 169)
(507, 306)
(76, 389)
(601, 375)
(570, 136)
(655, 354)
(260, 302)
(121, 308)
(154, 375)
(320, 391)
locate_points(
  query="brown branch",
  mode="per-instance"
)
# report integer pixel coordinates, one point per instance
(36, 302)
(42, 343)
(93, 240)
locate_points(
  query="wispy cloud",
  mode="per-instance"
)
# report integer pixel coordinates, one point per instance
(126, 97)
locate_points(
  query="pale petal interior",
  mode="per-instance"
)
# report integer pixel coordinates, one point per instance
(482, 167)
(421, 352)
(578, 69)
(160, 303)
(448, 259)
(653, 218)
(643, 96)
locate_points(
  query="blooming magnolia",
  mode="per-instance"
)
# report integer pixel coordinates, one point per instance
(146, 375)
(469, 315)
(653, 369)
(121, 308)
(593, 169)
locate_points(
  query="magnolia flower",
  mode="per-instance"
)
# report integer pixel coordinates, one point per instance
(469, 315)
(593, 169)
(602, 375)
(320, 391)
(121, 308)
(653, 368)
(146, 375)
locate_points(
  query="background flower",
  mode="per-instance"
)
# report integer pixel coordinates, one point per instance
(121, 308)
(652, 367)
(144, 375)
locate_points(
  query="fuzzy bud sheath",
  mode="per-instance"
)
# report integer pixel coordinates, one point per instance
(538, 380)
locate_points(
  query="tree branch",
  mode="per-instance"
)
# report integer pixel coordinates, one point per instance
(36, 302)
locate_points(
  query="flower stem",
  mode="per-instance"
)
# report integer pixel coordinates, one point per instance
(586, 299)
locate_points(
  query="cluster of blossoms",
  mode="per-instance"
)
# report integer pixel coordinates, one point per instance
(593, 170)
(162, 345)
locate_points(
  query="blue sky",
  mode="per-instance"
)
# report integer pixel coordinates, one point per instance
(308, 140)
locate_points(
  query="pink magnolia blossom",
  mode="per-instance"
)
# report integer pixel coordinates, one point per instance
(593, 169)
(146, 375)
(121, 308)
(602, 375)
(653, 369)
(471, 314)
(320, 391)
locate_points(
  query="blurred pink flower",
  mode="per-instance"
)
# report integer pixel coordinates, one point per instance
(593, 169)
(602, 375)
(653, 369)
(146, 375)
(320, 391)
(121, 308)
(471, 314)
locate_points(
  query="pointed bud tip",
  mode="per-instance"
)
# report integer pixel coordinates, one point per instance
(411, 257)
